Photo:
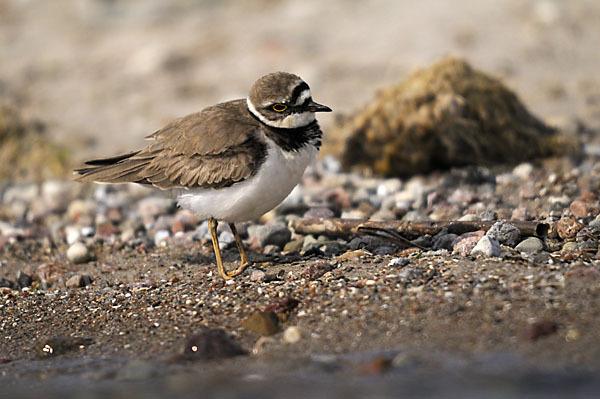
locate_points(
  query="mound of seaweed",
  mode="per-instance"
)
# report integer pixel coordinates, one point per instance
(26, 152)
(446, 115)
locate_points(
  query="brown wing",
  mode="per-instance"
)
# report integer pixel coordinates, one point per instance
(214, 148)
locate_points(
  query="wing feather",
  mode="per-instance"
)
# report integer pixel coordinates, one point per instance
(217, 147)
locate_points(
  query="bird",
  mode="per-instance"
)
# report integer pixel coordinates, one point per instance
(231, 162)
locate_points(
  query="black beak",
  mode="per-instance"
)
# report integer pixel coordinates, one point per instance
(316, 107)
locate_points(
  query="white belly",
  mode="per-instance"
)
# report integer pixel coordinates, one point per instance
(249, 199)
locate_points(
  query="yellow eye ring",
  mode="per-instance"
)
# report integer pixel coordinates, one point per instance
(279, 107)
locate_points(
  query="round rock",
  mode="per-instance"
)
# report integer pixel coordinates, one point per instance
(505, 233)
(292, 334)
(78, 253)
(530, 245)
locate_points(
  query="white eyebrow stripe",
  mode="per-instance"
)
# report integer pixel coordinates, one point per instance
(302, 97)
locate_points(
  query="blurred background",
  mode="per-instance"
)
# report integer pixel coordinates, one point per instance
(99, 75)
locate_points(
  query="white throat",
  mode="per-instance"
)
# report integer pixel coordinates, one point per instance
(289, 122)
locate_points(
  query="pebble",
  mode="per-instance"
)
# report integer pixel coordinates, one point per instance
(78, 281)
(292, 335)
(80, 207)
(271, 234)
(530, 245)
(72, 234)
(226, 238)
(579, 209)
(505, 233)
(399, 262)
(262, 323)
(4, 282)
(540, 329)
(569, 246)
(257, 275)
(464, 243)
(150, 208)
(487, 246)
(444, 241)
(23, 279)
(318, 213)
(78, 253)
(316, 270)
(389, 187)
(523, 170)
(212, 343)
(294, 245)
(161, 237)
(21, 192)
(568, 227)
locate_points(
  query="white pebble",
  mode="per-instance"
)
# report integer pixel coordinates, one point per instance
(78, 253)
(72, 234)
(487, 246)
(161, 237)
(292, 334)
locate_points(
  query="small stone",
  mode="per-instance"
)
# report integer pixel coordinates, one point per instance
(399, 262)
(573, 334)
(226, 238)
(212, 343)
(540, 329)
(271, 234)
(579, 209)
(21, 192)
(505, 233)
(444, 242)
(309, 242)
(530, 245)
(379, 365)
(523, 170)
(6, 283)
(292, 335)
(78, 281)
(47, 273)
(78, 208)
(487, 246)
(469, 217)
(318, 213)
(115, 215)
(464, 243)
(107, 229)
(24, 279)
(257, 275)
(567, 227)
(316, 270)
(72, 234)
(338, 198)
(569, 246)
(284, 305)
(161, 237)
(294, 246)
(389, 187)
(150, 208)
(520, 214)
(177, 227)
(78, 253)
(262, 323)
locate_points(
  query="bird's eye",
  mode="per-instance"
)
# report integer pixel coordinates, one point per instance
(279, 107)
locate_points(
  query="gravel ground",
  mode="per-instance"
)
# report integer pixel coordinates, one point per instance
(113, 291)
(124, 305)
